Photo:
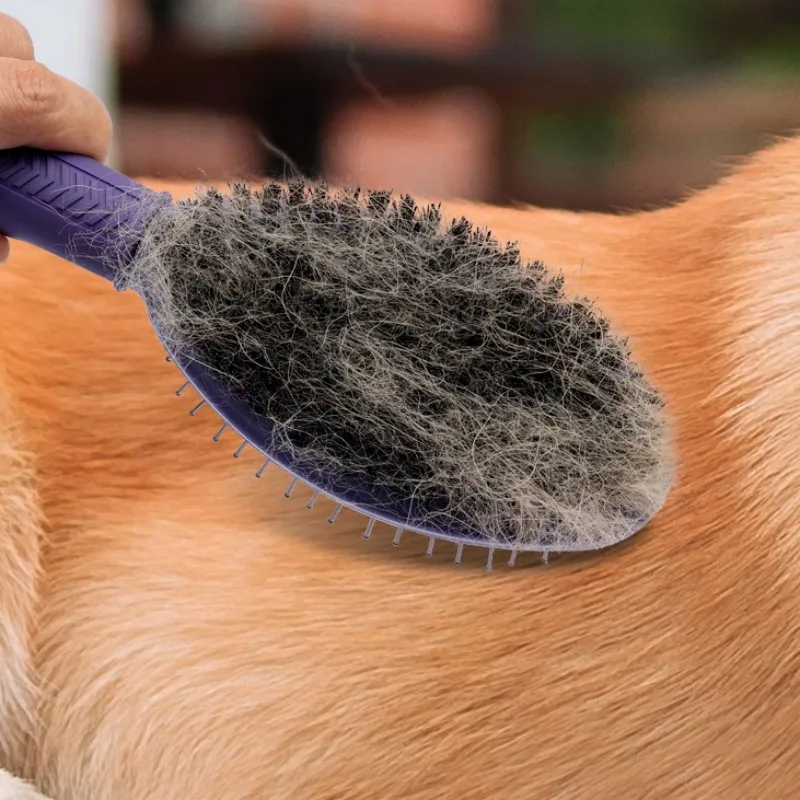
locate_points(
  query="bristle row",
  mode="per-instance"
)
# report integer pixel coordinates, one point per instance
(371, 521)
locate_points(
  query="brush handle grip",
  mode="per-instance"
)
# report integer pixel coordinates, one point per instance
(74, 207)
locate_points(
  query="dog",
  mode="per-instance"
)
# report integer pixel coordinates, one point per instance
(171, 627)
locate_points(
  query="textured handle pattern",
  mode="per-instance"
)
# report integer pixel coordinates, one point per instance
(74, 207)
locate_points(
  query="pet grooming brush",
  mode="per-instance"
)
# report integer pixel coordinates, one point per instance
(414, 371)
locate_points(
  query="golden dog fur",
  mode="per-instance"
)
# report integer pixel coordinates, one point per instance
(173, 628)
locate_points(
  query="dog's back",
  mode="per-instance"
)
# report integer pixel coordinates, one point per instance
(171, 627)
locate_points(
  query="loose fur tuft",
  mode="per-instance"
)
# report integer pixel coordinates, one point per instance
(420, 360)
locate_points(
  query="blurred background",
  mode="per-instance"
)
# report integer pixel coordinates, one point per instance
(573, 103)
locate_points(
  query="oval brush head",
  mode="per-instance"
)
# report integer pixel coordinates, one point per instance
(412, 370)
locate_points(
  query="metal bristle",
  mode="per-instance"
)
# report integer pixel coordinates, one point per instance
(288, 493)
(545, 557)
(240, 450)
(263, 467)
(431, 543)
(370, 526)
(513, 559)
(459, 553)
(490, 560)
(336, 511)
(183, 388)
(313, 499)
(397, 535)
(219, 433)
(197, 408)
(168, 359)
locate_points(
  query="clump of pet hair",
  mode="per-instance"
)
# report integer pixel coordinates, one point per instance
(417, 358)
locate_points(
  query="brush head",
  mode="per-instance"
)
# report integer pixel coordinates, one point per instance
(417, 368)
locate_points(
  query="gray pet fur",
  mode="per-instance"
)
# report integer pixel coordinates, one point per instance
(550, 438)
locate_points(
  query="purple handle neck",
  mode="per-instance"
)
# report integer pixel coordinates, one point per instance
(74, 207)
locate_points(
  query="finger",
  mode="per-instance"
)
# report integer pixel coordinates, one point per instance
(41, 109)
(15, 41)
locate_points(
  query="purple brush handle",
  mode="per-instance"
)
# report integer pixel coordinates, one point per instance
(74, 207)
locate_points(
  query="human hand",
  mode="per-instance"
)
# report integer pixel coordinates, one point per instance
(41, 109)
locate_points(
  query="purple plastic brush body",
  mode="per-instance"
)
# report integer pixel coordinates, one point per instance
(91, 215)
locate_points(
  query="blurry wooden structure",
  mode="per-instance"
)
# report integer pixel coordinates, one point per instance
(436, 96)
(293, 78)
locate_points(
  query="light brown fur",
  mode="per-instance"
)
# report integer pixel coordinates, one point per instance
(173, 628)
